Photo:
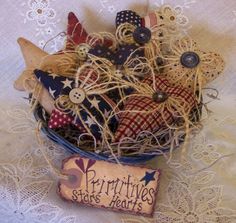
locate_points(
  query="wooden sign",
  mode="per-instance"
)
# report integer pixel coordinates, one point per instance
(108, 185)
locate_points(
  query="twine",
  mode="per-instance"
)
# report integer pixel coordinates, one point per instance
(124, 33)
(109, 77)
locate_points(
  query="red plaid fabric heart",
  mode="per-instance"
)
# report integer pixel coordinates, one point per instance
(131, 124)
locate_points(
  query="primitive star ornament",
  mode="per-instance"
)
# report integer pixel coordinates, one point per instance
(36, 58)
(75, 105)
(33, 56)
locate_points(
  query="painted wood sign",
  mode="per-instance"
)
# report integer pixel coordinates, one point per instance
(108, 185)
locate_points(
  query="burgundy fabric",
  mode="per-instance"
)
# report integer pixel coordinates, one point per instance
(131, 123)
(75, 31)
(59, 119)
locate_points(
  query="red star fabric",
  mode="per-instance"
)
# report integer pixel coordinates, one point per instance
(59, 119)
(133, 123)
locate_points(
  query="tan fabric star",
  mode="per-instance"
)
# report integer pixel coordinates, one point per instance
(33, 57)
(63, 63)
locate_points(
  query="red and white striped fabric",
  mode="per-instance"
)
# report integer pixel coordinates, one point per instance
(151, 20)
(133, 123)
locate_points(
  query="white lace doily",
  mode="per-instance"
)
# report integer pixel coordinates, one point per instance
(189, 192)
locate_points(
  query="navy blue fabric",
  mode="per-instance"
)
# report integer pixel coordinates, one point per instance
(125, 51)
(54, 84)
(120, 56)
(129, 17)
(102, 51)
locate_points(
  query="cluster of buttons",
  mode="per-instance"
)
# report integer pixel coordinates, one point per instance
(77, 95)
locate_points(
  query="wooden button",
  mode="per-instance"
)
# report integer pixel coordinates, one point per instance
(77, 95)
(82, 51)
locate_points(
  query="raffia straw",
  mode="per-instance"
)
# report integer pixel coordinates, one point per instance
(178, 47)
(124, 33)
(64, 104)
(172, 104)
(36, 95)
(104, 68)
(101, 37)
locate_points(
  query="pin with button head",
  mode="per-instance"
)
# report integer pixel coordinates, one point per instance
(159, 61)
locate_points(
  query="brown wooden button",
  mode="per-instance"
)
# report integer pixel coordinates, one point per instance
(77, 95)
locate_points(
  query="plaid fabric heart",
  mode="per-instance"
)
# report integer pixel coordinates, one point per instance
(145, 113)
(86, 111)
